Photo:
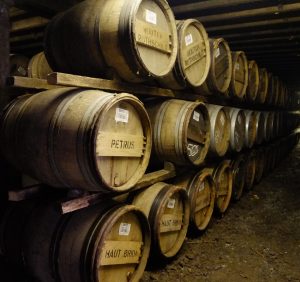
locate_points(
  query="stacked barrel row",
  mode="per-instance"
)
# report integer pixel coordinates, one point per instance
(73, 138)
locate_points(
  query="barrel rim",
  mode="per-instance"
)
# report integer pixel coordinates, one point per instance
(181, 31)
(114, 216)
(235, 56)
(212, 82)
(147, 131)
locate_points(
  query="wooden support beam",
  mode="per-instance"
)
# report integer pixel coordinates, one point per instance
(255, 24)
(29, 23)
(251, 13)
(63, 79)
(206, 5)
(30, 83)
(264, 40)
(255, 34)
(24, 194)
(146, 181)
(27, 37)
(15, 12)
(273, 52)
(4, 43)
(48, 6)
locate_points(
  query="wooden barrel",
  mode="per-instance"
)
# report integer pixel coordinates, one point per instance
(251, 123)
(87, 139)
(168, 212)
(260, 127)
(219, 130)
(201, 190)
(262, 86)
(220, 72)
(237, 129)
(239, 79)
(271, 89)
(276, 93)
(137, 39)
(180, 131)
(253, 81)
(193, 58)
(259, 164)
(222, 175)
(238, 167)
(250, 170)
(38, 66)
(269, 119)
(106, 242)
(18, 65)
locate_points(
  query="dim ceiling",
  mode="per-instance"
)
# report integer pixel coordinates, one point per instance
(267, 30)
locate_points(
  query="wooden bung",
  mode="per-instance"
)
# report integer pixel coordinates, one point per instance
(193, 58)
(135, 39)
(87, 139)
(201, 191)
(105, 242)
(220, 72)
(180, 131)
(239, 79)
(38, 66)
(238, 167)
(168, 212)
(253, 81)
(251, 123)
(237, 129)
(219, 130)
(262, 86)
(222, 175)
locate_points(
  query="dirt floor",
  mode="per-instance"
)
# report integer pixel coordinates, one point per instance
(258, 239)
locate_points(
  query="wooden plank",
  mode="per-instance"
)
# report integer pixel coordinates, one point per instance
(255, 24)
(251, 34)
(205, 5)
(27, 37)
(81, 202)
(24, 194)
(279, 9)
(29, 23)
(104, 84)
(30, 83)
(157, 176)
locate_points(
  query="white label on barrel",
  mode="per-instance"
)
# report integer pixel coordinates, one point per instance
(121, 115)
(124, 229)
(171, 203)
(151, 17)
(188, 39)
(237, 66)
(196, 116)
(217, 53)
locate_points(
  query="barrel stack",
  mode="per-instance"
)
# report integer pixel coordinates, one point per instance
(143, 91)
